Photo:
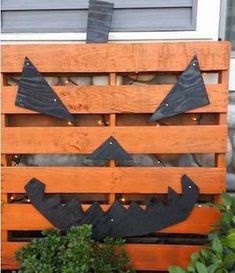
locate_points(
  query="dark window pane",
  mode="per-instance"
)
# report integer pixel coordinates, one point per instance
(230, 23)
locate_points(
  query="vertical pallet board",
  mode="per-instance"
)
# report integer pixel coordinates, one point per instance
(26, 135)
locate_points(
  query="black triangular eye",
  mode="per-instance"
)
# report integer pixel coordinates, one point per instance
(34, 93)
(99, 21)
(188, 93)
(110, 150)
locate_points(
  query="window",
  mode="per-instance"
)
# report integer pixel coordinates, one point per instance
(59, 21)
(71, 16)
(230, 23)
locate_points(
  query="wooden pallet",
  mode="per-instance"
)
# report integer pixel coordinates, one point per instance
(26, 132)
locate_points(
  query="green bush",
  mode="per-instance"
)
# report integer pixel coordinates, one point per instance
(74, 252)
(219, 256)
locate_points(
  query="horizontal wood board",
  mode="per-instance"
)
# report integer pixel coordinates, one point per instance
(112, 100)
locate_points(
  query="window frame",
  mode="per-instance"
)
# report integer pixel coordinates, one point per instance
(207, 25)
(222, 31)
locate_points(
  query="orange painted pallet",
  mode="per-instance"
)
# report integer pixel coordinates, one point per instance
(27, 132)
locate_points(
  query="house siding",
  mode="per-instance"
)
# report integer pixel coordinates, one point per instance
(71, 16)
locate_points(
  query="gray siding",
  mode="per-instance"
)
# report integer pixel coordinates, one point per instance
(27, 16)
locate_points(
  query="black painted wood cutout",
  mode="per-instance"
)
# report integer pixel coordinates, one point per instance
(110, 150)
(34, 93)
(188, 93)
(117, 221)
(99, 21)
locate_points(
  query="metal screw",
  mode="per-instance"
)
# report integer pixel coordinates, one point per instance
(166, 104)
(27, 63)
(54, 99)
(111, 142)
(190, 187)
(111, 219)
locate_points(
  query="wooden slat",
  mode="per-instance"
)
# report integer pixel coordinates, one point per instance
(112, 180)
(142, 256)
(117, 57)
(199, 222)
(118, 99)
(159, 257)
(163, 139)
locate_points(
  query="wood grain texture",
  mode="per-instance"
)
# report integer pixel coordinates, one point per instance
(116, 58)
(199, 222)
(36, 94)
(112, 180)
(143, 256)
(159, 257)
(212, 56)
(116, 99)
(184, 139)
(188, 93)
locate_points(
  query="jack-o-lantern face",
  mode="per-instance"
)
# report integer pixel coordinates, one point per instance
(117, 221)
(188, 93)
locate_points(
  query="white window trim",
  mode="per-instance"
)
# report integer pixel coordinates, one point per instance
(222, 36)
(207, 28)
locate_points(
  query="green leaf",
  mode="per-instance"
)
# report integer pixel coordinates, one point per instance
(72, 252)
(214, 259)
(176, 269)
(212, 268)
(195, 256)
(227, 200)
(231, 230)
(227, 219)
(220, 207)
(191, 268)
(204, 253)
(212, 235)
(229, 260)
(230, 241)
(201, 268)
(217, 247)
